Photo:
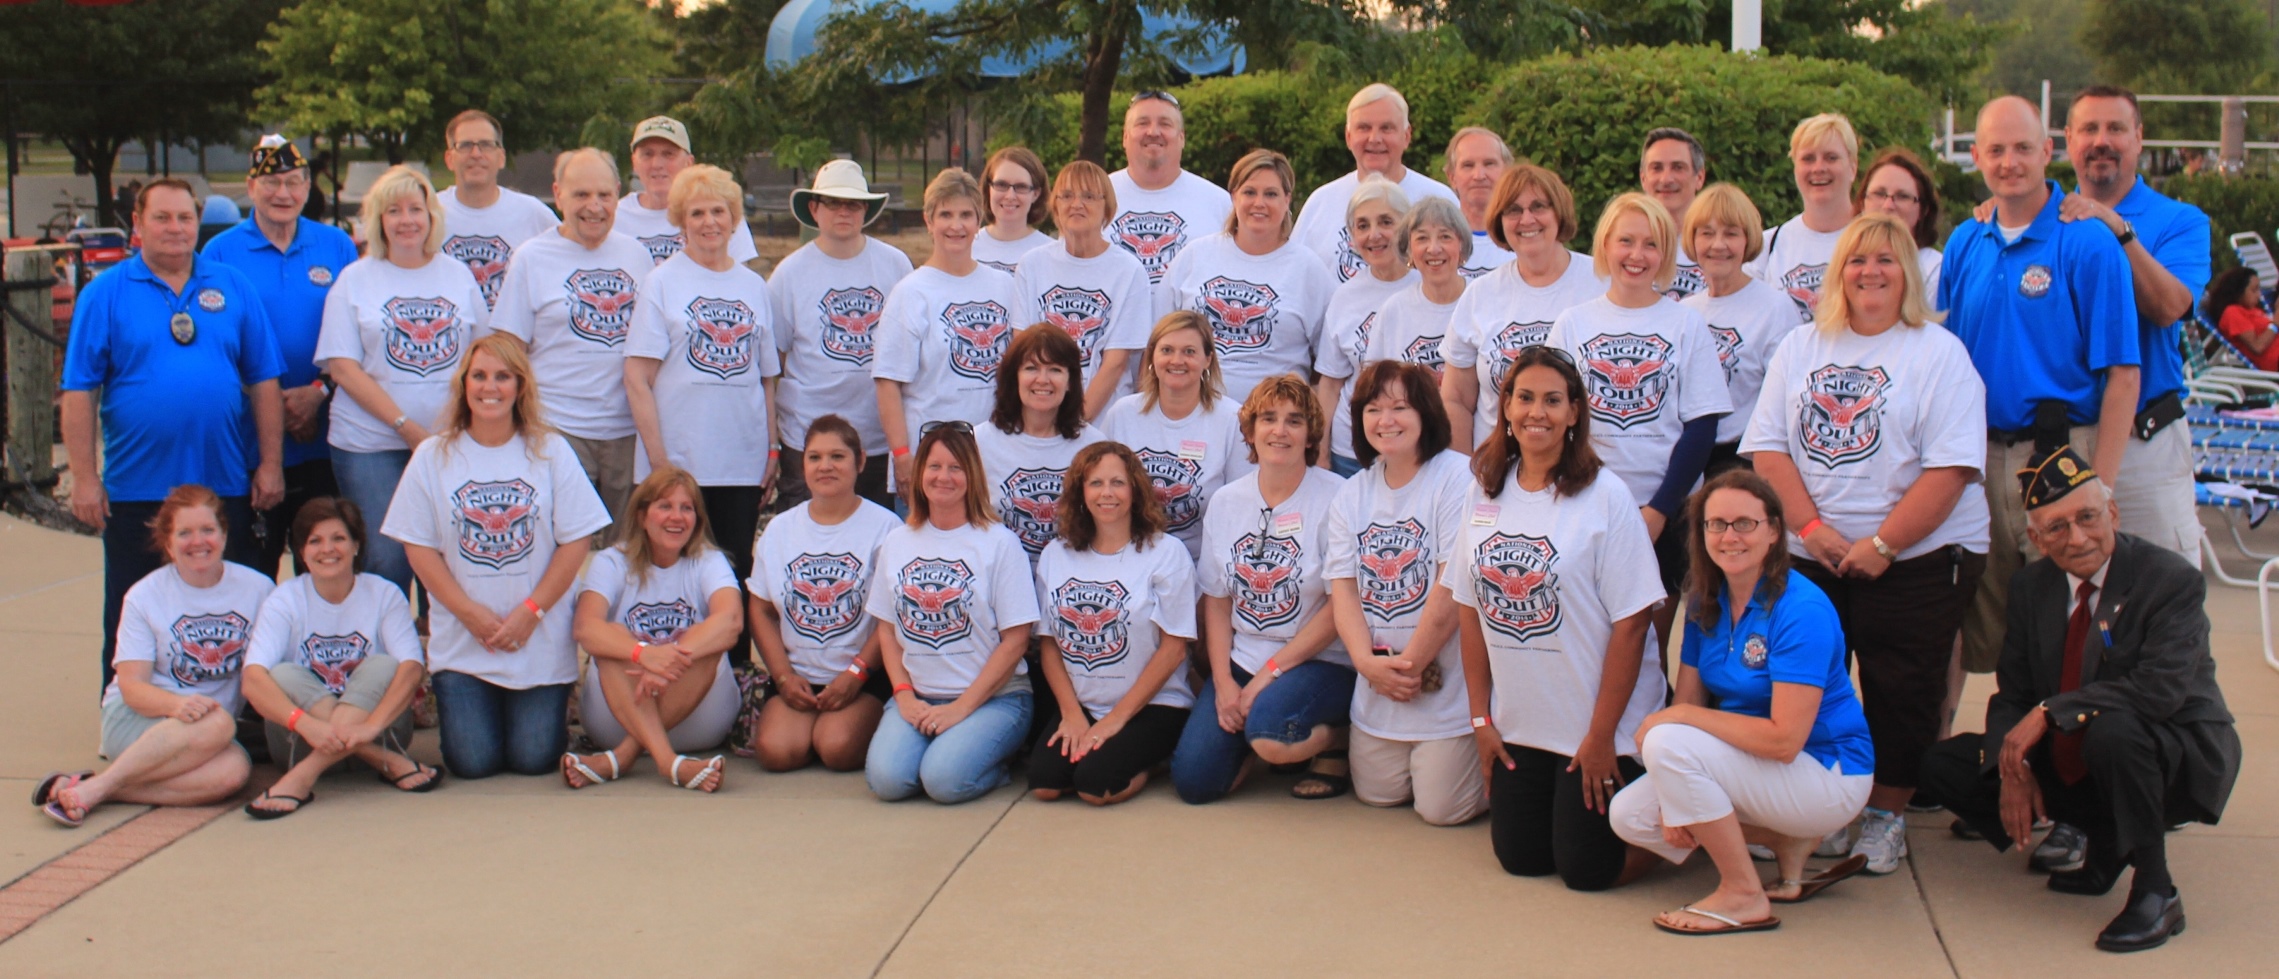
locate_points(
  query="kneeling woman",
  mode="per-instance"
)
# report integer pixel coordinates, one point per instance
(1119, 603)
(954, 602)
(334, 661)
(170, 716)
(1766, 743)
(656, 613)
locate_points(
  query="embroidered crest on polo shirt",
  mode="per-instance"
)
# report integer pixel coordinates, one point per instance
(1091, 626)
(1728, 348)
(1081, 313)
(1241, 313)
(486, 257)
(1518, 591)
(1267, 571)
(1395, 568)
(934, 601)
(1840, 420)
(1627, 376)
(333, 658)
(848, 317)
(1032, 506)
(720, 333)
(601, 305)
(208, 647)
(497, 521)
(2034, 283)
(662, 247)
(212, 301)
(420, 335)
(978, 333)
(660, 622)
(1753, 651)
(826, 595)
(1153, 237)
(320, 276)
(1175, 477)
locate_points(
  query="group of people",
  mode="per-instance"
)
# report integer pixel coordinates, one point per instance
(1396, 490)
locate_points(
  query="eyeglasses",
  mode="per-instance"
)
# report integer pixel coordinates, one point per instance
(1159, 95)
(956, 426)
(2088, 520)
(291, 180)
(1265, 529)
(473, 145)
(1005, 187)
(1745, 525)
(1882, 196)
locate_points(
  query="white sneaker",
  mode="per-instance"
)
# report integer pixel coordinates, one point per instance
(1759, 851)
(1883, 840)
(1837, 843)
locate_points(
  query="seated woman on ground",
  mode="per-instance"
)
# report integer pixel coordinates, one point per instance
(334, 662)
(656, 614)
(170, 716)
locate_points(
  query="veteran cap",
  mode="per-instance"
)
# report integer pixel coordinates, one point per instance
(2053, 476)
(276, 154)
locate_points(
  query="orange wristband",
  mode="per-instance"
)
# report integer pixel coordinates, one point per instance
(858, 669)
(903, 451)
(637, 648)
(899, 687)
(1808, 529)
(532, 605)
(293, 723)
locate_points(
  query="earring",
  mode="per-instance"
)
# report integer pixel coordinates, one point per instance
(1570, 435)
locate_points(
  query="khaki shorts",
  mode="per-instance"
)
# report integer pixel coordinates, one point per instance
(609, 464)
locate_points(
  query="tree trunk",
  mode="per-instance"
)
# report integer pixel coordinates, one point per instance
(1103, 58)
(98, 156)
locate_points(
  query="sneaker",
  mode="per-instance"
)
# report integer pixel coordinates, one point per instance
(1883, 840)
(1925, 807)
(1759, 851)
(2066, 848)
(1837, 843)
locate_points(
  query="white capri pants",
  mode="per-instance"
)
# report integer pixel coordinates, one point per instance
(706, 727)
(1443, 776)
(1694, 777)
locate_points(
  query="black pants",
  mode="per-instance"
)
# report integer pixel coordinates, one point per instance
(1145, 742)
(1724, 456)
(2133, 793)
(791, 480)
(128, 557)
(1541, 826)
(1901, 629)
(734, 512)
(303, 483)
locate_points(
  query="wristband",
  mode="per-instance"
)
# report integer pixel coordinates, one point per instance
(899, 452)
(857, 669)
(637, 648)
(293, 723)
(1479, 722)
(899, 687)
(400, 422)
(1273, 669)
(1808, 529)
(774, 453)
(532, 605)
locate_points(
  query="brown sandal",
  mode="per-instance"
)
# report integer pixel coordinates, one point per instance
(1819, 882)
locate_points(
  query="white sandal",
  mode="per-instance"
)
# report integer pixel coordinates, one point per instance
(570, 762)
(696, 781)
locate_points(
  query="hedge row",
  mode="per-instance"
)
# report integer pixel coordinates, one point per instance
(2233, 204)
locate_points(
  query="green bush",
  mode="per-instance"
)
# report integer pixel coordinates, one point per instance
(2234, 204)
(1585, 116)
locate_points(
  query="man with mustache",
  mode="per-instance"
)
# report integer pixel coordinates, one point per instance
(1160, 206)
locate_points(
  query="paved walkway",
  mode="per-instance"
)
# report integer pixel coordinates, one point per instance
(807, 875)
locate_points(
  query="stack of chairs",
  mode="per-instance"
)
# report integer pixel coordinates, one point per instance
(2235, 448)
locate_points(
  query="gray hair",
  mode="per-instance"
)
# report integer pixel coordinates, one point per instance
(1375, 187)
(563, 160)
(1434, 212)
(1503, 149)
(1375, 92)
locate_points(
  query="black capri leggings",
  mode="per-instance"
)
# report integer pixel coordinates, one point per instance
(1901, 629)
(1145, 742)
(1540, 826)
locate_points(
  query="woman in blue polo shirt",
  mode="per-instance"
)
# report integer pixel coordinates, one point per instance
(1764, 742)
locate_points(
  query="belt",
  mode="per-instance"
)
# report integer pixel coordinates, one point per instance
(2160, 413)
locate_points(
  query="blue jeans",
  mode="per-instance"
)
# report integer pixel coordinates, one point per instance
(957, 765)
(1344, 466)
(368, 479)
(488, 729)
(1310, 694)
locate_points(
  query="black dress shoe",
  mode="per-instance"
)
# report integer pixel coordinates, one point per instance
(2090, 881)
(2146, 923)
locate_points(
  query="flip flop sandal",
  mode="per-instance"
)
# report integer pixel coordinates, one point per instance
(435, 777)
(46, 788)
(1819, 882)
(1337, 784)
(1731, 926)
(571, 763)
(696, 781)
(54, 809)
(254, 808)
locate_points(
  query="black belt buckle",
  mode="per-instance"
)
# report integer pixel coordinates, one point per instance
(2161, 413)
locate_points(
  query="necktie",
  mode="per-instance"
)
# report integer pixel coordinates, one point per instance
(2066, 750)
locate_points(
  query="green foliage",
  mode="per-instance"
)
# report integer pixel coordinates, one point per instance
(1916, 41)
(2044, 42)
(1585, 116)
(2209, 47)
(802, 152)
(721, 37)
(2234, 204)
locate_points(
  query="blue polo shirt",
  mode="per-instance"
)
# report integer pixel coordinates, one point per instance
(1797, 640)
(2042, 316)
(291, 285)
(172, 413)
(2176, 234)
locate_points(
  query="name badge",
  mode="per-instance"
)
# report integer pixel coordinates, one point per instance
(1193, 448)
(184, 328)
(1289, 524)
(320, 276)
(1485, 514)
(211, 300)
(2034, 283)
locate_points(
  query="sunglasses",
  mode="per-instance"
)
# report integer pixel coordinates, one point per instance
(930, 427)
(1159, 95)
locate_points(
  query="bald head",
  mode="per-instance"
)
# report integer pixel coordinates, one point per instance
(2012, 149)
(2009, 114)
(585, 190)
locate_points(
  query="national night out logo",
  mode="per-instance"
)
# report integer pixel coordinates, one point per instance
(1366, 332)
(1175, 480)
(1518, 591)
(720, 335)
(660, 622)
(1506, 345)
(601, 305)
(1840, 416)
(1090, 623)
(1803, 285)
(1032, 505)
(662, 247)
(934, 601)
(1627, 377)
(422, 335)
(1266, 593)
(1241, 313)
(977, 333)
(1349, 262)
(1396, 568)
(1686, 282)
(1081, 313)
(1425, 351)
(486, 257)
(206, 648)
(333, 658)
(497, 521)
(1728, 349)
(1153, 237)
(825, 595)
(849, 315)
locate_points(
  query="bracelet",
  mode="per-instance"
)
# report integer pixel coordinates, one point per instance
(1273, 669)
(899, 452)
(1883, 548)
(900, 687)
(400, 422)
(1808, 529)
(532, 605)
(293, 723)
(1479, 722)
(637, 648)
(857, 669)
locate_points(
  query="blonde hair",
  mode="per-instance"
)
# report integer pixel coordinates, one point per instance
(529, 416)
(640, 555)
(1823, 127)
(1723, 203)
(949, 185)
(1658, 221)
(1081, 176)
(1248, 167)
(1866, 233)
(702, 180)
(1151, 390)
(398, 183)
(1376, 92)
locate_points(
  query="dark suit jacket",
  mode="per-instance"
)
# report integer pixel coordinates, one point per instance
(2158, 666)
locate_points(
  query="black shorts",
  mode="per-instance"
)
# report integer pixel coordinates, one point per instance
(874, 684)
(1670, 554)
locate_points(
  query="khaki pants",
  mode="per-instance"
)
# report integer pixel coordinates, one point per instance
(2155, 493)
(1443, 777)
(366, 685)
(609, 464)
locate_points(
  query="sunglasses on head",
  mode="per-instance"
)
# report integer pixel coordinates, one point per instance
(1158, 94)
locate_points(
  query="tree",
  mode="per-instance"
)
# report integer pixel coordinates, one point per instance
(1922, 43)
(2043, 44)
(95, 78)
(393, 71)
(2208, 47)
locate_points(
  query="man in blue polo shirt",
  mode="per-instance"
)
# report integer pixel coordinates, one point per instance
(2048, 312)
(180, 353)
(291, 262)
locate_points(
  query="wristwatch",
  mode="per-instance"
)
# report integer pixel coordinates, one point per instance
(1883, 548)
(2128, 233)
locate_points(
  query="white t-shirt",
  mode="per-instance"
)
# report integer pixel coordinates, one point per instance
(942, 335)
(1108, 613)
(1154, 224)
(1392, 543)
(1272, 564)
(1187, 460)
(1500, 315)
(407, 328)
(1026, 474)
(826, 320)
(495, 514)
(1104, 302)
(1348, 325)
(1796, 260)
(195, 639)
(817, 576)
(1321, 223)
(655, 231)
(712, 334)
(484, 238)
(1862, 417)
(573, 307)
(1747, 327)
(1549, 577)
(1411, 328)
(1687, 281)
(1005, 256)
(1929, 261)
(298, 626)
(667, 605)
(1646, 372)
(1487, 256)
(950, 595)
(1265, 310)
